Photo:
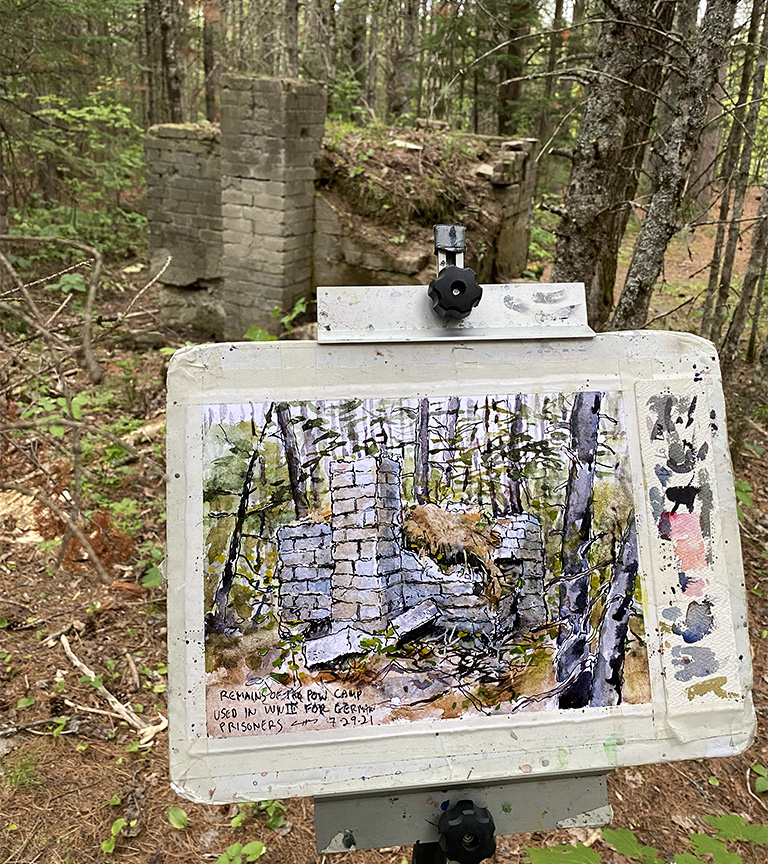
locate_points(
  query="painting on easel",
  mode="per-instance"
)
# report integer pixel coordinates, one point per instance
(378, 560)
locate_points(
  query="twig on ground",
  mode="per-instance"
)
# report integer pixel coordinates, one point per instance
(121, 317)
(147, 731)
(750, 792)
(135, 680)
(120, 710)
(20, 727)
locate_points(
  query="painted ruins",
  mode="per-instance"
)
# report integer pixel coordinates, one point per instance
(380, 560)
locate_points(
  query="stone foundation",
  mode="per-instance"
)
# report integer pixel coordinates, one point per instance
(238, 212)
(355, 573)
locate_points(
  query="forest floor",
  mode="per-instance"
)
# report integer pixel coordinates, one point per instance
(63, 786)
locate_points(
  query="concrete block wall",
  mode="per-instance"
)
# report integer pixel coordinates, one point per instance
(356, 572)
(271, 130)
(184, 213)
(306, 569)
(365, 513)
(520, 557)
(237, 210)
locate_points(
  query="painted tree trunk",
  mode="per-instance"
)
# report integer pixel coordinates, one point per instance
(660, 222)
(573, 651)
(218, 621)
(516, 428)
(609, 666)
(421, 455)
(293, 461)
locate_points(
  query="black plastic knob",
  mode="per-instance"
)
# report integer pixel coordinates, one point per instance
(466, 833)
(455, 292)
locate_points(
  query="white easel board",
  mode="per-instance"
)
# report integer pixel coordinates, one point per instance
(371, 585)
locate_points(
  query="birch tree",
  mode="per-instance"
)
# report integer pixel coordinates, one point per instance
(573, 648)
(609, 665)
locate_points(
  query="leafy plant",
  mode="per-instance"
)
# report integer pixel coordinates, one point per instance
(761, 781)
(729, 827)
(743, 497)
(238, 853)
(108, 845)
(177, 817)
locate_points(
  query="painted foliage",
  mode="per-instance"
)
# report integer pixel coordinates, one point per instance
(380, 560)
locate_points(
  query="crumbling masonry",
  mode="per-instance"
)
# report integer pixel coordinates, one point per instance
(355, 572)
(238, 212)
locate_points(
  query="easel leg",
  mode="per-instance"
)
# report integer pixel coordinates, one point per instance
(428, 853)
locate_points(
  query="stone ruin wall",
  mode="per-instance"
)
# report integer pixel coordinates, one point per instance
(238, 211)
(356, 571)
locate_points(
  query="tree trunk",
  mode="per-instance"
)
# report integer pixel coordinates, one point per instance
(751, 277)
(639, 131)
(609, 666)
(451, 422)
(211, 17)
(583, 232)
(752, 347)
(555, 46)
(170, 59)
(293, 461)
(291, 55)
(740, 193)
(732, 148)
(572, 659)
(510, 90)
(4, 229)
(421, 454)
(659, 224)
(701, 187)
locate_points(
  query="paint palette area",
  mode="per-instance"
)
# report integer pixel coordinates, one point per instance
(401, 565)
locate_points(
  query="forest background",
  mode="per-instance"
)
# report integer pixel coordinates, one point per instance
(651, 122)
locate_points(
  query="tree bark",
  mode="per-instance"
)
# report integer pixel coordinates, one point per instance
(740, 193)
(583, 232)
(291, 54)
(754, 268)
(513, 67)
(572, 659)
(752, 347)
(293, 461)
(732, 148)
(609, 666)
(553, 52)
(4, 247)
(516, 430)
(170, 59)
(659, 224)
(211, 16)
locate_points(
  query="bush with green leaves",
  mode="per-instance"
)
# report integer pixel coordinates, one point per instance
(732, 831)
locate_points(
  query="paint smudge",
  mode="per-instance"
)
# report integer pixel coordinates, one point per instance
(699, 622)
(713, 685)
(693, 662)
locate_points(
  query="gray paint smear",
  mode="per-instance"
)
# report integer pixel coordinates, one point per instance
(699, 622)
(693, 662)
(658, 502)
(671, 614)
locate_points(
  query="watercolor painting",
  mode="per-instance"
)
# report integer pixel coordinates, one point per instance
(372, 561)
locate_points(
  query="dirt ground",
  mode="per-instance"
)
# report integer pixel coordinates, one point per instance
(63, 785)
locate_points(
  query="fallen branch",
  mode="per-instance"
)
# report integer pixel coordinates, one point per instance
(94, 370)
(71, 525)
(121, 711)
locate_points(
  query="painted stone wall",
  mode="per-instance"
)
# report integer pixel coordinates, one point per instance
(248, 232)
(354, 572)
